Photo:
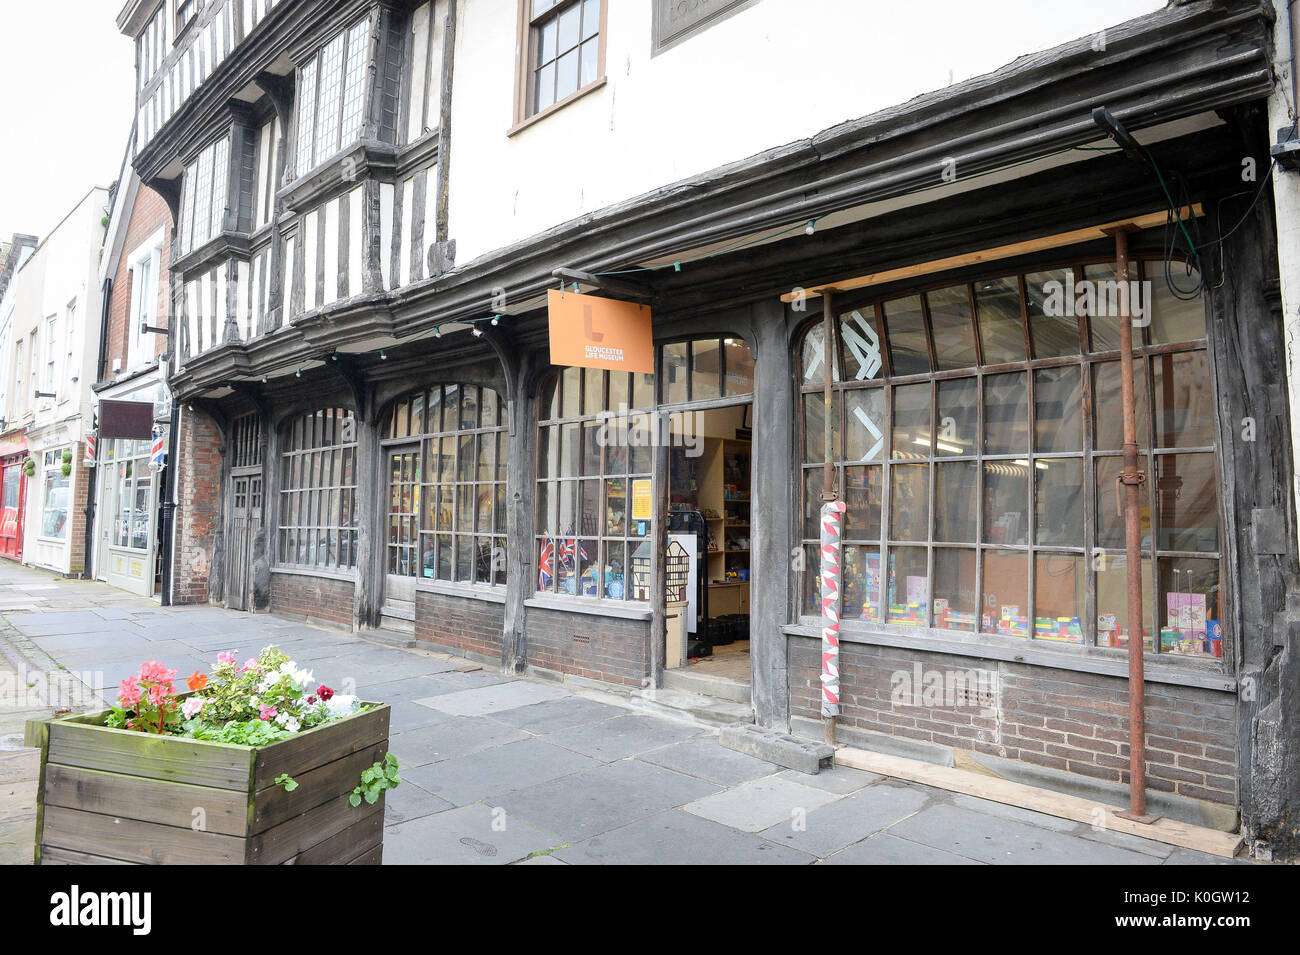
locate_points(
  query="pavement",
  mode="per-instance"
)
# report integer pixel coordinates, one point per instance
(502, 770)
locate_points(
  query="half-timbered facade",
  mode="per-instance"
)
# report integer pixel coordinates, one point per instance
(371, 201)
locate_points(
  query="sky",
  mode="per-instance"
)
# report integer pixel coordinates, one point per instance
(66, 108)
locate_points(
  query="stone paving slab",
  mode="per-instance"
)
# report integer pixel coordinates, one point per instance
(679, 838)
(885, 849)
(469, 835)
(1014, 813)
(848, 820)
(836, 779)
(487, 700)
(558, 714)
(760, 804)
(704, 758)
(470, 778)
(408, 801)
(454, 737)
(1000, 841)
(586, 804)
(622, 736)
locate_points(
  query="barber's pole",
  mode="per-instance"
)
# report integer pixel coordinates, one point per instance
(88, 456)
(831, 548)
(158, 455)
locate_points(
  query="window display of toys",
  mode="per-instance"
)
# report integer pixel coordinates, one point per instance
(1065, 629)
(1214, 631)
(1012, 624)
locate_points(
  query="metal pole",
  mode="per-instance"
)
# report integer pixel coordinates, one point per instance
(1132, 479)
(828, 467)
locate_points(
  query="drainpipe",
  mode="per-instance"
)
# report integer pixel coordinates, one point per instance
(168, 517)
(1131, 479)
(89, 562)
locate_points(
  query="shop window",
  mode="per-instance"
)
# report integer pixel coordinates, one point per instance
(56, 496)
(447, 485)
(706, 368)
(318, 487)
(128, 497)
(977, 435)
(593, 468)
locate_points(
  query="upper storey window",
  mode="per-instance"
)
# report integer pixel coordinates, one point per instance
(564, 53)
(186, 12)
(331, 97)
(203, 203)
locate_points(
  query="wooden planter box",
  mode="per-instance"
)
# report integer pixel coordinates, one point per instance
(117, 796)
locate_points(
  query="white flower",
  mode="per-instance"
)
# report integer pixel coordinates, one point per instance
(341, 704)
(292, 725)
(282, 718)
(254, 702)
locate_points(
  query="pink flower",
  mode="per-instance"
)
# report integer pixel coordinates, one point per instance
(192, 706)
(267, 712)
(128, 694)
(155, 672)
(159, 694)
(226, 658)
(249, 664)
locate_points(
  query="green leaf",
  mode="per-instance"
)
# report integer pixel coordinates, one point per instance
(372, 796)
(355, 798)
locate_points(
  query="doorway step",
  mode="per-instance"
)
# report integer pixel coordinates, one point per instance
(696, 680)
(681, 704)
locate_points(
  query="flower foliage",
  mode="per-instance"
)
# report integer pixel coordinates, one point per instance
(266, 699)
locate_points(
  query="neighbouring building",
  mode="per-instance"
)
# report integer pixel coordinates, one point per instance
(372, 201)
(51, 362)
(13, 440)
(132, 405)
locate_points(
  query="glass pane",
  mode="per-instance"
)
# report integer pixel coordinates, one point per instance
(548, 452)
(675, 373)
(466, 457)
(570, 27)
(546, 37)
(1188, 502)
(589, 508)
(862, 356)
(1058, 489)
(643, 390)
(1175, 316)
(706, 369)
(620, 391)
(910, 510)
(451, 408)
(1110, 525)
(1006, 414)
(615, 585)
(567, 492)
(954, 335)
(465, 507)
(863, 497)
(955, 604)
(1189, 614)
(1053, 326)
(469, 408)
(957, 417)
(546, 501)
(433, 416)
(615, 508)
(444, 556)
(811, 357)
(1103, 322)
(1006, 502)
(812, 502)
(489, 409)
(500, 520)
(587, 558)
(811, 593)
(956, 501)
(814, 432)
(593, 437)
(571, 392)
(1184, 398)
(909, 352)
(1060, 582)
(590, 18)
(1006, 593)
(1112, 602)
(865, 425)
(1058, 410)
(740, 367)
(589, 56)
(861, 584)
(909, 587)
(570, 447)
(566, 75)
(997, 303)
(911, 438)
(1108, 404)
(593, 391)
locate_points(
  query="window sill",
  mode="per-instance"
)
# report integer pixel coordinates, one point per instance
(627, 609)
(61, 541)
(308, 571)
(1086, 660)
(447, 588)
(556, 107)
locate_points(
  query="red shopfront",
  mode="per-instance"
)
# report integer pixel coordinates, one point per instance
(13, 494)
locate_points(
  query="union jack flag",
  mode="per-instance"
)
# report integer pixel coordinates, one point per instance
(546, 564)
(571, 550)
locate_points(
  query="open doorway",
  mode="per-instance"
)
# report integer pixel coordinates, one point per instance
(709, 526)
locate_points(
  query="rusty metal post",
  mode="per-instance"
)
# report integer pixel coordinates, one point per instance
(828, 412)
(1131, 479)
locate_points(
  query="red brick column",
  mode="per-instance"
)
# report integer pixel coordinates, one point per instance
(198, 508)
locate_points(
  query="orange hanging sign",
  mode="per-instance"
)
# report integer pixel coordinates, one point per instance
(592, 332)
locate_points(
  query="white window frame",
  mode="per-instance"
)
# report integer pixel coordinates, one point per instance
(145, 264)
(72, 369)
(51, 366)
(52, 465)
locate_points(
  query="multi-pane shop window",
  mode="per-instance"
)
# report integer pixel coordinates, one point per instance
(706, 368)
(318, 487)
(977, 433)
(593, 491)
(56, 496)
(447, 486)
(203, 205)
(564, 53)
(331, 97)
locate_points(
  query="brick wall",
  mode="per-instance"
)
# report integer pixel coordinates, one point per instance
(461, 622)
(1059, 719)
(316, 598)
(611, 649)
(148, 214)
(77, 528)
(198, 511)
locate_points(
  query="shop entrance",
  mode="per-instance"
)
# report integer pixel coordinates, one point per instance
(402, 557)
(710, 516)
(246, 499)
